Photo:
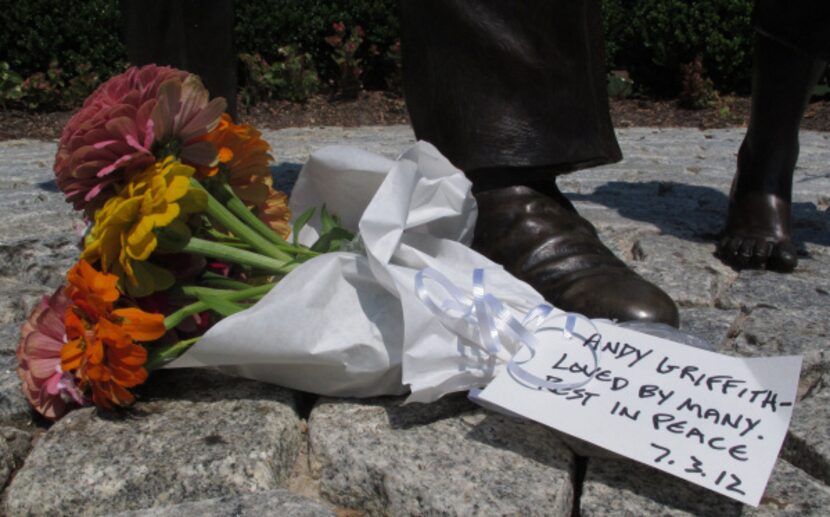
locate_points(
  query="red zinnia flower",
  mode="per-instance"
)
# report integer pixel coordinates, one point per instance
(50, 389)
(124, 121)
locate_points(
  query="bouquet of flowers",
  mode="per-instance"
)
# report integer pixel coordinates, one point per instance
(184, 228)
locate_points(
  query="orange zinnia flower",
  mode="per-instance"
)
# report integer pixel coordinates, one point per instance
(101, 348)
(243, 154)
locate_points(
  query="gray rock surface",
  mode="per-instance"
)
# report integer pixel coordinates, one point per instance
(686, 270)
(276, 503)
(30, 202)
(196, 435)
(660, 209)
(41, 261)
(14, 408)
(17, 299)
(712, 324)
(808, 442)
(627, 488)
(14, 446)
(445, 458)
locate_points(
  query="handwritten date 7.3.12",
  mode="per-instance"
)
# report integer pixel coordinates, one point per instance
(695, 466)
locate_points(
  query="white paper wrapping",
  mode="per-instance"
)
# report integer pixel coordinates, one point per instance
(347, 324)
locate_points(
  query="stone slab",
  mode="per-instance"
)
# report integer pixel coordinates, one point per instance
(14, 408)
(279, 502)
(808, 442)
(195, 435)
(445, 458)
(14, 445)
(627, 488)
(685, 269)
(41, 261)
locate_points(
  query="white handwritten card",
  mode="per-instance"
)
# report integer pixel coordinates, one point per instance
(714, 420)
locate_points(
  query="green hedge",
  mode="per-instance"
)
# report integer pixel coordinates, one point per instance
(264, 26)
(652, 39)
(70, 32)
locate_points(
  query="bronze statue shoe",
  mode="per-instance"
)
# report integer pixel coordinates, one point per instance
(541, 239)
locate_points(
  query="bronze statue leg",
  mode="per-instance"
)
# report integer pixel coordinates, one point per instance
(192, 35)
(514, 93)
(758, 231)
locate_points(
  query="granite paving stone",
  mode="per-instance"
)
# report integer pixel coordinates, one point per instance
(38, 260)
(14, 408)
(209, 445)
(195, 435)
(712, 324)
(278, 502)
(445, 458)
(631, 489)
(808, 441)
(686, 270)
(14, 445)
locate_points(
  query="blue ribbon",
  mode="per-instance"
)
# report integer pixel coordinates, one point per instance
(496, 325)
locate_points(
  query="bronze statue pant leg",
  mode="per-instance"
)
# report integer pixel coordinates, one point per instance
(193, 35)
(791, 51)
(495, 84)
(514, 93)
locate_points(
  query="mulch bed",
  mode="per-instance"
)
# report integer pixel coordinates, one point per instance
(381, 108)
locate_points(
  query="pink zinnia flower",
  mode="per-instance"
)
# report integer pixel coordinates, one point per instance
(124, 121)
(49, 389)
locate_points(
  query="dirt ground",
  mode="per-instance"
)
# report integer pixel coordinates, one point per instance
(381, 108)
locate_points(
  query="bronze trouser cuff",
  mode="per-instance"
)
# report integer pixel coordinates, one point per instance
(502, 177)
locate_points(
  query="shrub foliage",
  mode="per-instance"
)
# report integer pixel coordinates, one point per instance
(655, 39)
(62, 48)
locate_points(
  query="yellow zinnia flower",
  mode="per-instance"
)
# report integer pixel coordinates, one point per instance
(124, 236)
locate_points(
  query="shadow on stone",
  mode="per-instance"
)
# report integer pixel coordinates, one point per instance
(285, 175)
(693, 212)
(416, 414)
(524, 438)
(203, 385)
(49, 186)
(612, 485)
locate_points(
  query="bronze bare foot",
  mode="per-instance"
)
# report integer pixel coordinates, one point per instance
(541, 239)
(758, 233)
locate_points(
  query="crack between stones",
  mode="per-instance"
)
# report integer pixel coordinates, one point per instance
(304, 403)
(304, 479)
(800, 455)
(301, 481)
(580, 469)
(17, 466)
(796, 450)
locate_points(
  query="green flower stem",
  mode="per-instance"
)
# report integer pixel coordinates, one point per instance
(196, 291)
(218, 236)
(225, 217)
(223, 282)
(238, 256)
(164, 356)
(253, 293)
(239, 209)
(159, 358)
